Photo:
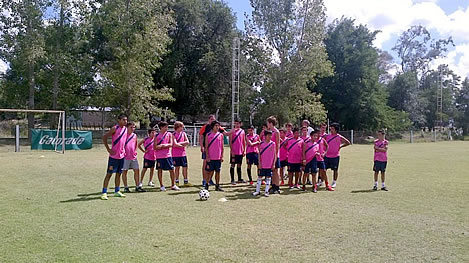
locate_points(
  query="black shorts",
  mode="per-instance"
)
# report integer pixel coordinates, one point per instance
(380, 166)
(265, 172)
(277, 164)
(332, 163)
(294, 167)
(180, 161)
(204, 155)
(165, 164)
(237, 159)
(311, 167)
(148, 163)
(213, 165)
(283, 163)
(115, 165)
(252, 158)
(321, 165)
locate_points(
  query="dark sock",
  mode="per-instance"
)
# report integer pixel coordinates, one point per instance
(206, 186)
(232, 173)
(249, 175)
(238, 170)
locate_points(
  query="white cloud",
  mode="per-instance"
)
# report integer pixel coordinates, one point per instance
(392, 17)
(3, 67)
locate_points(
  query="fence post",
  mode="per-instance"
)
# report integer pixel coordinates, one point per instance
(17, 138)
(351, 136)
(411, 136)
(194, 141)
(434, 135)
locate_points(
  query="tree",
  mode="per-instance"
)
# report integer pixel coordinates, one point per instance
(462, 102)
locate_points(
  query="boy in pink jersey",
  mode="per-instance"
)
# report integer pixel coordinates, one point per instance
(130, 159)
(115, 163)
(252, 151)
(305, 132)
(380, 159)
(310, 155)
(268, 156)
(271, 122)
(289, 133)
(180, 142)
(149, 158)
(261, 135)
(335, 142)
(294, 147)
(323, 146)
(237, 140)
(214, 149)
(164, 161)
(283, 155)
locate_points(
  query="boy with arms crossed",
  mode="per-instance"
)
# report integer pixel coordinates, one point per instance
(214, 149)
(252, 151)
(271, 122)
(268, 156)
(380, 159)
(148, 157)
(130, 159)
(294, 147)
(335, 142)
(180, 142)
(164, 161)
(237, 150)
(310, 154)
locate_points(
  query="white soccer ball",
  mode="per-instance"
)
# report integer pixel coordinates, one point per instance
(204, 195)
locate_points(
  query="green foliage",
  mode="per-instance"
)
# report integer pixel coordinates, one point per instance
(462, 104)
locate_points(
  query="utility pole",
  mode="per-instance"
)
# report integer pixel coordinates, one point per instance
(235, 82)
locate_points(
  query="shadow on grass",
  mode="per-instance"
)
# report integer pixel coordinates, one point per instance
(80, 199)
(363, 191)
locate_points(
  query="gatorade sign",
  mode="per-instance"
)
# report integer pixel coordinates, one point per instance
(74, 140)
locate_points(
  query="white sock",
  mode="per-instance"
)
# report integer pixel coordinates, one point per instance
(267, 184)
(382, 184)
(258, 185)
(376, 183)
(140, 185)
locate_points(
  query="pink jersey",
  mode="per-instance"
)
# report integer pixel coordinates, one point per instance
(267, 154)
(253, 138)
(275, 133)
(130, 147)
(289, 134)
(322, 149)
(295, 150)
(304, 137)
(215, 145)
(179, 137)
(148, 146)
(163, 138)
(118, 142)
(381, 156)
(311, 149)
(334, 142)
(283, 152)
(237, 141)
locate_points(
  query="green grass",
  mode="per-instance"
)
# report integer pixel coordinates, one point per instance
(51, 212)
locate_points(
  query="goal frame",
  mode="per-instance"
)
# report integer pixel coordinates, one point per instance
(61, 122)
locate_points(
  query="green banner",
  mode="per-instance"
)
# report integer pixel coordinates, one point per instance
(74, 140)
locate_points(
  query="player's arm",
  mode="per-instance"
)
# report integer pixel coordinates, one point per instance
(139, 145)
(206, 147)
(222, 150)
(345, 141)
(274, 161)
(303, 160)
(277, 144)
(250, 144)
(170, 143)
(229, 142)
(244, 146)
(326, 147)
(185, 142)
(201, 139)
(105, 136)
(155, 146)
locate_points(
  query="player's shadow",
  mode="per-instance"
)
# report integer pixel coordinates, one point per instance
(363, 191)
(81, 199)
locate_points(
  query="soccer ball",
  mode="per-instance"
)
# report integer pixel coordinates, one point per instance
(204, 195)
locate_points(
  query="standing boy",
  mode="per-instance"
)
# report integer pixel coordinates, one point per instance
(164, 160)
(322, 149)
(214, 149)
(203, 131)
(149, 157)
(237, 150)
(252, 151)
(380, 160)
(116, 155)
(268, 156)
(294, 147)
(130, 159)
(283, 155)
(335, 142)
(310, 154)
(271, 122)
(288, 132)
(180, 142)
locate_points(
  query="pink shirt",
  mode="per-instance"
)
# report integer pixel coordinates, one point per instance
(283, 152)
(215, 145)
(275, 133)
(322, 149)
(179, 137)
(148, 146)
(381, 156)
(237, 141)
(334, 142)
(253, 138)
(163, 138)
(118, 142)
(267, 154)
(289, 134)
(295, 150)
(130, 147)
(311, 149)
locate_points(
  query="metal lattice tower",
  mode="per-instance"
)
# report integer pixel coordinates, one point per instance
(439, 101)
(235, 82)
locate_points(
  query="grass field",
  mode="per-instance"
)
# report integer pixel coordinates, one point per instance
(51, 212)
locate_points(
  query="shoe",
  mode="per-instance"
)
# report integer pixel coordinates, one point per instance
(333, 185)
(375, 188)
(203, 183)
(177, 183)
(303, 188)
(219, 189)
(384, 188)
(255, 193)
(329, 188)
(233, 183)
(319, 183)
(241, 181)
(263, 182)
(282, 183)
(126, 190)
(297, 186)
(175, 188)
(151, 184)
(119, 194)
(140, 190)
(309, 183)
(291, 186)
(266, 194)
(315, 189)
(251, 182)
(277, 192)
(163, 189)
(187, 184)
(211, 182)
(104, 197)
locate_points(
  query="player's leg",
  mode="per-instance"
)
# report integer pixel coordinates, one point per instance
(144, 171)
(239, 163)
(160, 179)
(105, 185)
(209, 175)
(258, 186)
(176, 175)
(303, 181)
(248, 170)
(173, 180)
(313, 178)
(268, 180)
(383, 185)
(185, 175)
(375, 177)
(124, 180)
(290, 179)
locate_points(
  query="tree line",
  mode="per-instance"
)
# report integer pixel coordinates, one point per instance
(143, 57)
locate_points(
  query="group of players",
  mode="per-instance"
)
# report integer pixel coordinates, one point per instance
(304, 153)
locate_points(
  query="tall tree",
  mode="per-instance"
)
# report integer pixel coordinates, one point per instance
(462, 104)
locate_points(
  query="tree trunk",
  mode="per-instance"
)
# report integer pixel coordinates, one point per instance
(31, 98)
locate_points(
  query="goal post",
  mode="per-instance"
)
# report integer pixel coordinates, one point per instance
(60, 123)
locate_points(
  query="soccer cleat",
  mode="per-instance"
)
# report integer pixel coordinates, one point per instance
(175, 188)
(104, 197)
(333, 184)
(163, 189)
(291, 186)
(266, 194)
(126, 190)
(251, 182)
(309, 182)
(219, 189)
(233, 183)
(384, 188)
(140, 190)
(241, 181)
(187, 184)
(315, 189)
(329, 188)
(375, 188)
(177, 183)
(119, 194)
(303, 188)
(282, 183)
(297, 186)
(319, 183)
(255, 193)
(211, 182)
(151, 184)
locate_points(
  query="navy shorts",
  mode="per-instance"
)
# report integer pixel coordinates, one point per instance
(115, 165)
(237, 159)
(379, 166)
(265, 172)
(252, 158)
(332, 163)
(294, 167)
(283, 163)
(277, 164)
(204, 155)
(165, 164)
(213, 165)
(311, 167)
(321, 165)
(148, 163)
(180, 161)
